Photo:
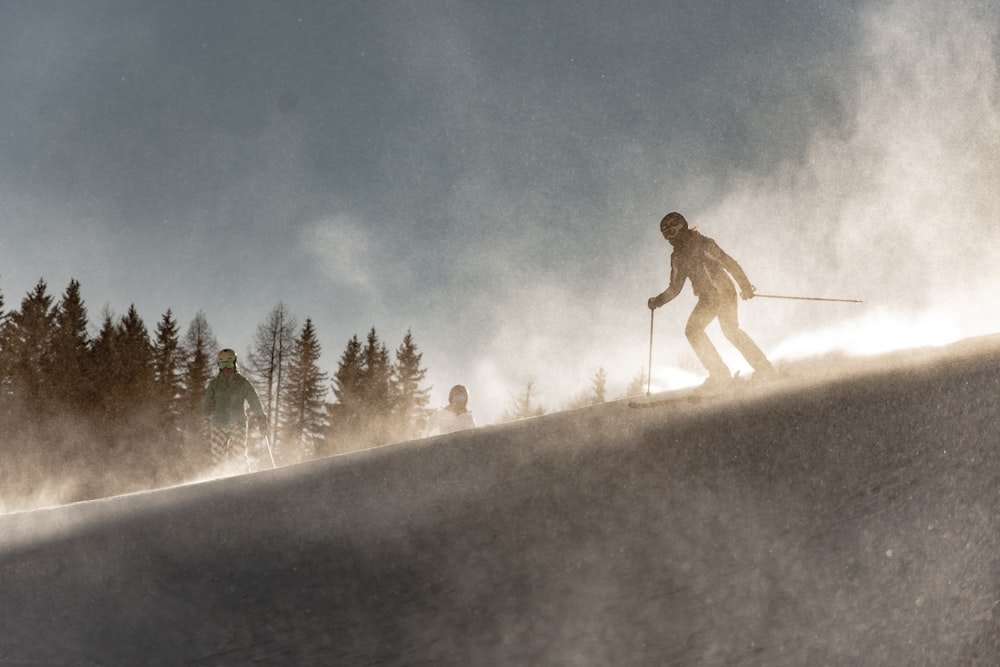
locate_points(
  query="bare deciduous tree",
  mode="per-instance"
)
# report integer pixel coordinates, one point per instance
(524, 405)
(267, 361)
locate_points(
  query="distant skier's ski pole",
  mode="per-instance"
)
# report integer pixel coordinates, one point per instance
(649, 373)
(269, 452)
(805, 298)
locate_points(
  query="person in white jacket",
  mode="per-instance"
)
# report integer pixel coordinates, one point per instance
(453, 417)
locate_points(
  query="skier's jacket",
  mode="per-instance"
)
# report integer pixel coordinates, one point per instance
(702, 260)
(446, 420)
(226, 401)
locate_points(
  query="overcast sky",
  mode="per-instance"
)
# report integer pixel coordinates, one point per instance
(491, 174)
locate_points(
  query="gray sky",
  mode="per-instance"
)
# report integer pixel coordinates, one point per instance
(491, 175)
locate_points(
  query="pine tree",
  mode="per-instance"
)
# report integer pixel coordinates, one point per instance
(199, 349)
(131, 391)
(599, 386)
(376, 401)
(304, 400)
(27, 342)
(409, 398)
(135, 373)
(102, 360)
(362, 413)
(346, 421)
(594, 396)
(637, 386)
(71, 350)
(349, 376)
(377, 374)
(33, 433)
(167, 368)
(122, 376)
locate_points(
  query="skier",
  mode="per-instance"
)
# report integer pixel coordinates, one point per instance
(712, 272)
(227, 397)
(453, 417)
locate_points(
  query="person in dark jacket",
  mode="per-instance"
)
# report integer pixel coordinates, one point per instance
(227, 398)
(711, 272)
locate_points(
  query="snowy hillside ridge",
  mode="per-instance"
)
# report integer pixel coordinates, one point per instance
(848, 515)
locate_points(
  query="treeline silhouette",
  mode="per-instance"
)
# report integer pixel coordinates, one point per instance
(86, 416)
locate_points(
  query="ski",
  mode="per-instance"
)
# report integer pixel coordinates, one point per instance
(666, 398)
(656, 401)
(690, 394)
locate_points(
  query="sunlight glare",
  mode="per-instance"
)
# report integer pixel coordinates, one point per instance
(881, 331)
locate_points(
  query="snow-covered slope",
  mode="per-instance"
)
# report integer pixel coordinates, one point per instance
(844, 519)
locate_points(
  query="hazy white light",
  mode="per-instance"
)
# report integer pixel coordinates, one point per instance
(670, 378)
(882, 331)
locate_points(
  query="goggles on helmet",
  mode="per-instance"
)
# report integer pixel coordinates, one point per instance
(227, 364)
(673, 230)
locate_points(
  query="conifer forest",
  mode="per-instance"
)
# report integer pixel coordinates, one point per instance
(89, 415)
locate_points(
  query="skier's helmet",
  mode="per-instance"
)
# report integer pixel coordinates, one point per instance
(458, 394)
(227, 358)
(672, 225)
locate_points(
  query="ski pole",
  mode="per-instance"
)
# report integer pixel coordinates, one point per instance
(649, 372)
(806, 298)
(269, 452)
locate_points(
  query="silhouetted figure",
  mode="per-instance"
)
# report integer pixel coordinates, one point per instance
(453, 417)
(227, 398)
(711, 271)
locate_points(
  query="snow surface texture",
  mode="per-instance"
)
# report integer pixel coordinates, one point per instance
(838, 520)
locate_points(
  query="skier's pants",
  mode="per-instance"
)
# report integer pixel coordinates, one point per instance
(229, 445)
(725, 308)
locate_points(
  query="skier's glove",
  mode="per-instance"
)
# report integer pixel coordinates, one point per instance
(654, 302)
(748, 292)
